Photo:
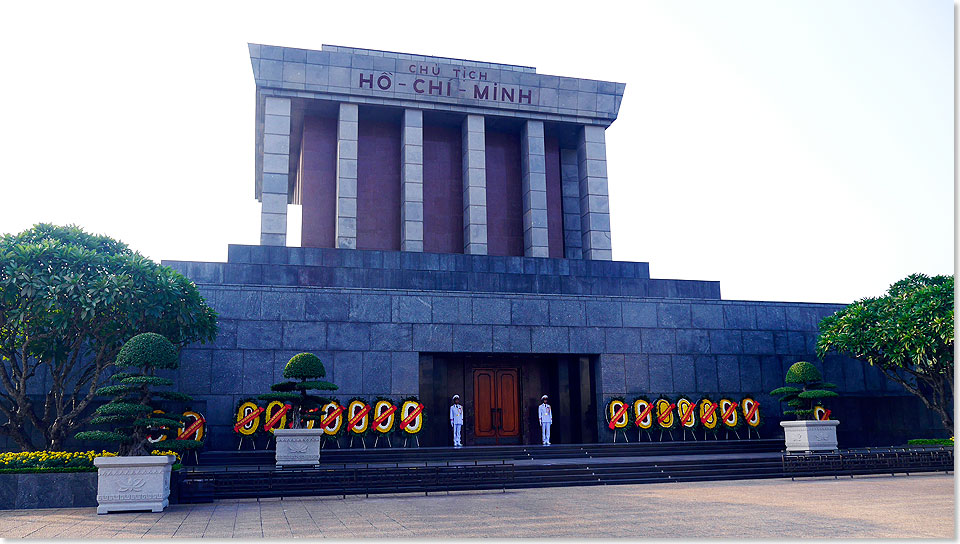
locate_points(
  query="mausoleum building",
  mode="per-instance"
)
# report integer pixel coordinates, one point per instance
(456, 240)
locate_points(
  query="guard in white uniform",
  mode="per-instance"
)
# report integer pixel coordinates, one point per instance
(546, 418)
(456, 420)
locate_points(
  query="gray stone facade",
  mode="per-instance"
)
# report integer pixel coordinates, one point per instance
(276, 169)
(371, 337)
(474, 186)
(411, 181)
(398, 323)
(347, 131)
(299, 80)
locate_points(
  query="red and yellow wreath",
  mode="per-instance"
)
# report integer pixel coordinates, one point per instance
(663, 410)
(643, 413)
(331, 418)
(751, 412)
(618, 413)
(358, 416)
(384, 416)
(729, 414)
(707, 414)
(411, 415)
(686, 413)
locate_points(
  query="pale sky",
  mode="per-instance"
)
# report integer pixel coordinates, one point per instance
(794, 150)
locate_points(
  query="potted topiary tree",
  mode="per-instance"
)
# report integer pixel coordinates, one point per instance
(299, 446)
(134, 479)
(804, 390)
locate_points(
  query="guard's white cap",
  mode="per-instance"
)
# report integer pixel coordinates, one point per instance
(543, 397)
(456, 396)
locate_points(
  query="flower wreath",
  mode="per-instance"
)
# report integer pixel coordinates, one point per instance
(244, 411)
(389, 424)
(746, 407)
(335, 428)
(354, 407)
(194, 426)
(614, 406)
(643, 413)
(819, 413)
(687, 414)
(270, 412)
(663, 412)
(407, 406)
(709, 422)
(158, 434)
(732, 421)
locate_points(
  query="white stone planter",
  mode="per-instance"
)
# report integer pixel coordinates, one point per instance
(133, 483)
(810, 435)
(298, 447)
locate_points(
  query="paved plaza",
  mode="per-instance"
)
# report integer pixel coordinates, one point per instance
(877, 507)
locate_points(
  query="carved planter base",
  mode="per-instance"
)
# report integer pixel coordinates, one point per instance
(298, 447)
(133, 483)
(810, 435)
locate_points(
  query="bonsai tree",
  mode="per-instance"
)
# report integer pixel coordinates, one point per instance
(804, 390)
(307, 368)
(131, 411)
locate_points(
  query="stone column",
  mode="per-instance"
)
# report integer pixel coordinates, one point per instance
(347, 126)
(594, 199)
(474, 186)
(534, 188)
(570, 189)
(411, 181)
(276, 171)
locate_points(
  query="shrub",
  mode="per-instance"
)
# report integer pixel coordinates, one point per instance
(812, 389)
(307, 368)
(130, 412)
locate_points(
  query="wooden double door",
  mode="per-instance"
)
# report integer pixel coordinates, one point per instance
(496, 397)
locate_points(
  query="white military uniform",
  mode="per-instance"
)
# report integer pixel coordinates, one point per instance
(456, 421)
(546, 418)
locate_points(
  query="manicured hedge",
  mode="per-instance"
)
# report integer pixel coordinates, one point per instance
(32, 462)
(930, 442)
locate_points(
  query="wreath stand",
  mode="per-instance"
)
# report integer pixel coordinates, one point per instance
(684, 435)
(749, 428)
(615, 429)
(385, 437)
(641, 431)
(245, 437)
(669, 431)
(362, 443)
(415, 438)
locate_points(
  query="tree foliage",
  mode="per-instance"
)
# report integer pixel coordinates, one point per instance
(804, 390)
(130, 413)
(907, 334)
(307, 368)
(68, 302)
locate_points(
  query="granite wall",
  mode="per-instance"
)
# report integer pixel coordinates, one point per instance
(371, 339)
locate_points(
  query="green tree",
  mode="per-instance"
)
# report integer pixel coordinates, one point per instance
(68, 302)
(907, 334)
(307, 368)
(131, 412)
(804, 391)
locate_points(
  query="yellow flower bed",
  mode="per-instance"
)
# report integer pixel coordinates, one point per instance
(57, 461)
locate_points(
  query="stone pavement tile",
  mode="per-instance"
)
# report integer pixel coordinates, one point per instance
(223, 520)
(24, 529)
(195, 523)
(823, 508)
